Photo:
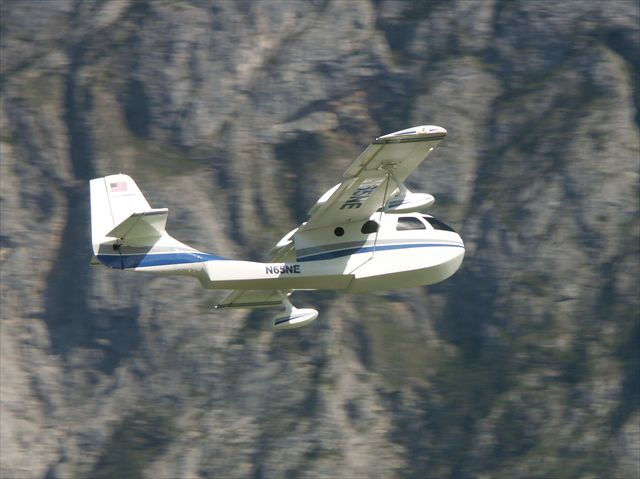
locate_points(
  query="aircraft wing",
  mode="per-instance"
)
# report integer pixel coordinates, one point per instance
(248, 298)
(366, 184)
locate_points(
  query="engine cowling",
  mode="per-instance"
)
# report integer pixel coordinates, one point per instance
(409, 202)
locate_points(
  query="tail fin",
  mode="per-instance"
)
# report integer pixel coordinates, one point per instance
(128, 234)
(119, 210)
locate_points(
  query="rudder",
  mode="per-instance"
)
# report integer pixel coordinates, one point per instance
(113, 199)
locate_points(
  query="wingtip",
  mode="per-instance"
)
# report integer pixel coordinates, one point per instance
(414, 133)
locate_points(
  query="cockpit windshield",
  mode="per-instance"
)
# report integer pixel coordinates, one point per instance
(409, 223)
(437, 224)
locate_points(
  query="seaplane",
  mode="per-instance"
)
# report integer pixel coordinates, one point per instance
(367, 233)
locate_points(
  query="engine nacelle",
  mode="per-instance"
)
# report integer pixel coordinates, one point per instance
(409, 202)
(294, 318)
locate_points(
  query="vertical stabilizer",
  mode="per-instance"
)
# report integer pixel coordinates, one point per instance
(113, 199)
(126, 233)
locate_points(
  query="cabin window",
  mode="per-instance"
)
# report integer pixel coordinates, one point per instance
(369, 227)
(338, 231)
(409, 223)
(437, 224)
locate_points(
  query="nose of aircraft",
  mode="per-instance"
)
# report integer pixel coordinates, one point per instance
(460, 256)
(454, 261)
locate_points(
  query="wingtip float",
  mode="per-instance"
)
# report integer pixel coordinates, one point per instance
(366, 233)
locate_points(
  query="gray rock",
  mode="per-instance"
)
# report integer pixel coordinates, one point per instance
(238, 116)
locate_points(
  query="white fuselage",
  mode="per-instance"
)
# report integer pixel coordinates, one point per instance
(405, 251)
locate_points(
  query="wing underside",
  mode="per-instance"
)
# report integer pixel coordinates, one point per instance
(249, 298)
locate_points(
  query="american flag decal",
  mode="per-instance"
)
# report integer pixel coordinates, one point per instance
(118, 186)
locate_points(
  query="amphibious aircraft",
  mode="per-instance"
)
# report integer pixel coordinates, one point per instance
(366, 233)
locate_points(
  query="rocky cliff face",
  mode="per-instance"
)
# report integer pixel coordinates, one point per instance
(237, 116)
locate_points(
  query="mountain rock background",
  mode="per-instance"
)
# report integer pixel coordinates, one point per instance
(238, 115)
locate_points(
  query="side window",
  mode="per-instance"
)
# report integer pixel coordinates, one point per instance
(369, 227)
(409, 223)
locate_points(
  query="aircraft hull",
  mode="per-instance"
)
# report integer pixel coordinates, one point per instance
(391, 269)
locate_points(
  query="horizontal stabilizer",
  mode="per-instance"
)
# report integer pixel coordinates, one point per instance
(146, 224)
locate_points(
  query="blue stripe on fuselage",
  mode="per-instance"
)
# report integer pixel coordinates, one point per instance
(158, 259)
(368, 249)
